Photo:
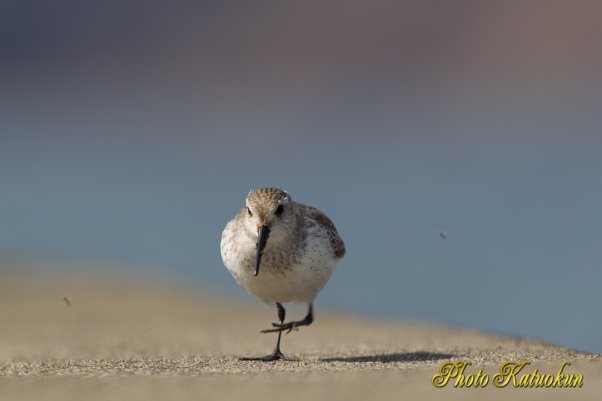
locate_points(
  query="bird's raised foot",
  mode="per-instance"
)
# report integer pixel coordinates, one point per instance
(280, 327)
(274, 356)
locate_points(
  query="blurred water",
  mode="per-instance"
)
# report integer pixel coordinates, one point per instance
(523, 249)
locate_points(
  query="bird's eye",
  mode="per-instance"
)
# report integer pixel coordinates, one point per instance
(279, 210)
(249, 212)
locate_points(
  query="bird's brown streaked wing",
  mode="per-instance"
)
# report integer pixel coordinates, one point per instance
(338, 246)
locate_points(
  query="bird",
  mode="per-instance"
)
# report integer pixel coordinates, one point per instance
(281, 251)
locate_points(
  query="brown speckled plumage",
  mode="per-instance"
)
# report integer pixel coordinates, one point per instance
(335, 241)
(265, 200)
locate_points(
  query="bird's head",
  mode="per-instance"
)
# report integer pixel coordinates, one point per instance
(267, 216)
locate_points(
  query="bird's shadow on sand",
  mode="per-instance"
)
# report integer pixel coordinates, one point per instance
(418, 356)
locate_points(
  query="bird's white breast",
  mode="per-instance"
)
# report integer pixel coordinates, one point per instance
(281, 278)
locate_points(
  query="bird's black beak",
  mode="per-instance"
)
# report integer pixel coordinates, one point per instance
(262, 239)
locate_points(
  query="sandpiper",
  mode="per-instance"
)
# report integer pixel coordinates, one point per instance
(281, 251)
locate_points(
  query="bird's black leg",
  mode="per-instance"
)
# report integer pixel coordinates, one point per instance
(307, 320)
(276, 355)
(281, 315)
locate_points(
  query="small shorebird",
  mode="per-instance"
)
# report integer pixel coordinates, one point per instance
(281, 251)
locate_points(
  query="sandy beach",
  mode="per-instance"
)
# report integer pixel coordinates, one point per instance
(65, 338)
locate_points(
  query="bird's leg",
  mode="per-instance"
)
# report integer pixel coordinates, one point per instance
(281, 316)
(290, 326)
(276, 355)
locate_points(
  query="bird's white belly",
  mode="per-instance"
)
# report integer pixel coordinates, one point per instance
(296, 285)
(297, 282)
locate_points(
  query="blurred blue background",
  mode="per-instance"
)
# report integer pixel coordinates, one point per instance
(131, 131)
